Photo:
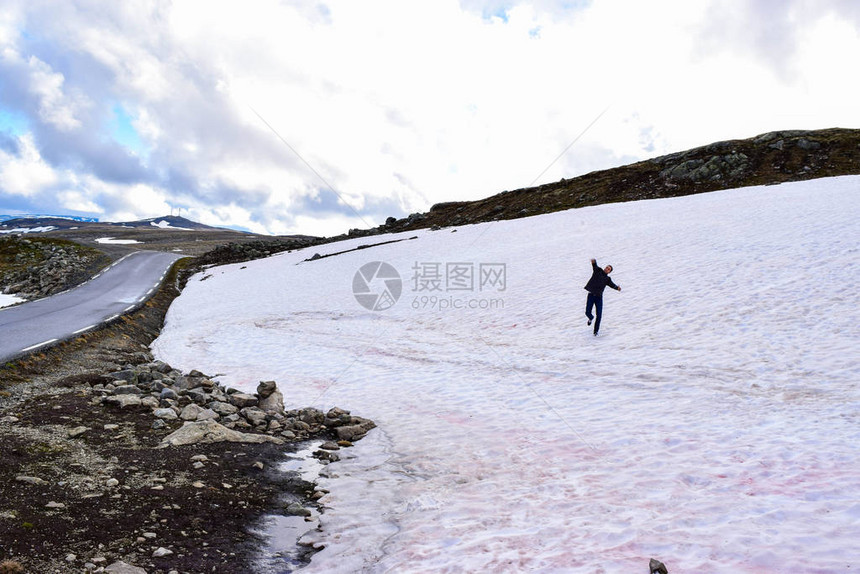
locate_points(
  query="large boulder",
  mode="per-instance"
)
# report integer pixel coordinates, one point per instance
(273, 403)
(208, 431)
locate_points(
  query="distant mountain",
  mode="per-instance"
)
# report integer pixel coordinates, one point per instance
(42, 216)
(167, 222)
(37, 223)
(55, 222)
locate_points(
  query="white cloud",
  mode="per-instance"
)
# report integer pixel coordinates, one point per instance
(25, 173)
(397, 108)
(55, 106)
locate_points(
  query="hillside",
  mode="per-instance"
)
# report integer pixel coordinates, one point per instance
(770, 158)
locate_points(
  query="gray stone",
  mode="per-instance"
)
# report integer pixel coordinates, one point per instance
(197, 395)
(806, 144)
(266, 388)
(77, 431)
(254, 415)
(149, 402)
(190, 412)
(166, 414)
(223, 409)
(207, 414)
(168, 393)
(123, 401)
(162, 552)
(273, 404)
(123, 568)
(31, 480)
(208, 431)
(129, 376)
(243, 400)
(657, 567)
(296, 509)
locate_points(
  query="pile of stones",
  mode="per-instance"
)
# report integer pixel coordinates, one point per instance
(42, 269)
(194, 400)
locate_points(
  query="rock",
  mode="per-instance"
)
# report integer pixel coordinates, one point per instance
(127, 390)
(208, 431)
(273, 404)
(657, 567)
(806, 144)
(223, 409)
(122, 402)
(326, 456)
(112, 482)
(296, 509)
(149, 402)
(191, 412)
(77, 431)
(168, 393)
(199, 458)
(161, 552)
(199, 396)
(158, 424)
(329, 446)
(128, 375)
(55, 505)
(243, 400)
(123, 568)
(207, 414)
(166, 414)
(36, 481)
(10, 419)
(110, 426)
(254, 415)
(266, 388)
(350, 432)
(336, 413)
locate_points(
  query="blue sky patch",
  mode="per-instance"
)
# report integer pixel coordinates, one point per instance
(13, 123)
(122, 130)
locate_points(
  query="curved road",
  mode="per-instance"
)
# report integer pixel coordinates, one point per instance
(118, 289)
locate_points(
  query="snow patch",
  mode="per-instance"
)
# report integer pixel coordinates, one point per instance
(166, 225)
(713, 424)
(7, 300)
(112, 241)
(42, 229)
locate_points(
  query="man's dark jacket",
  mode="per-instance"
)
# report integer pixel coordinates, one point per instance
(598, 282)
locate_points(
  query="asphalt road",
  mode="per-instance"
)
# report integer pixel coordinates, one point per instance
(120, 288)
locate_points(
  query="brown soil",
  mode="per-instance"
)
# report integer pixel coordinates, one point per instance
(203, 515)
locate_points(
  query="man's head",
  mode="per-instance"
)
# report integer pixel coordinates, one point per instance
(608, 269)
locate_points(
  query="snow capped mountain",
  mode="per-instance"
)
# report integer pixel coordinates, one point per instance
(712, 425)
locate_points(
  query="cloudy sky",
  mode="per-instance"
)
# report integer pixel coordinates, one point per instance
(316, 117)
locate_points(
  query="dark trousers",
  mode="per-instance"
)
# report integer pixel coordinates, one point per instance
(597, 302)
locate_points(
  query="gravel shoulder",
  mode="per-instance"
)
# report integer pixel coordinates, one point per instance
(85, 485)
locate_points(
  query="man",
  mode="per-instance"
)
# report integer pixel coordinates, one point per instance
(595, 286)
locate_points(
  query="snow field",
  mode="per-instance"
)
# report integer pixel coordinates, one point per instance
(712, 425)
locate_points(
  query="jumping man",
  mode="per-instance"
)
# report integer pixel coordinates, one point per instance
(595, 286)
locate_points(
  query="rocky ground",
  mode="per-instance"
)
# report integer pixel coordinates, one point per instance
(34, 267)
(114, 462)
